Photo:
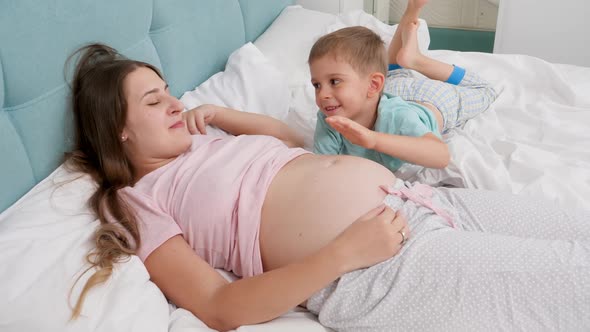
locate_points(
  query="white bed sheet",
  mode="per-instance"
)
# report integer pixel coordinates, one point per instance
(297, 320)
(44, 240)
(534, 140)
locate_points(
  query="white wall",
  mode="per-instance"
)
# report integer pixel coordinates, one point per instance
(556, 31)
(380, 9)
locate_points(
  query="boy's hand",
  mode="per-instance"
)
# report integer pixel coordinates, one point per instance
(353, 131)
(198, 118)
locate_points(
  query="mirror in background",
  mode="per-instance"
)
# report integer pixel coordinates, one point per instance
(462, 25)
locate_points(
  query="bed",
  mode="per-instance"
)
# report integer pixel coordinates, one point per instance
(250, 55)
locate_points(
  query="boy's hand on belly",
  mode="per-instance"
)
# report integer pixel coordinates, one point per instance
(371, 239)
(354, 132)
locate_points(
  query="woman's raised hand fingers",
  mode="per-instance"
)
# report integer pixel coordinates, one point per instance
(200, 120)
(189, 118)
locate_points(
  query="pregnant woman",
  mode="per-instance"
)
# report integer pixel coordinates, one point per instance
(307, 229)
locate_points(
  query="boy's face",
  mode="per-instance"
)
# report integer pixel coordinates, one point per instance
(339, 89)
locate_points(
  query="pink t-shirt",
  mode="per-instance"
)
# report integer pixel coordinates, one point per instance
(213, 196)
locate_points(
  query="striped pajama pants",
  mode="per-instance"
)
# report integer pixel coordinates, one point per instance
(457, 103)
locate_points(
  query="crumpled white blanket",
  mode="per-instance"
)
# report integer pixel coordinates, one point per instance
(534, 140)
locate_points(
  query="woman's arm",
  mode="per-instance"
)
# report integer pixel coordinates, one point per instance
(191, 283)
(427, 150)
(240, 123)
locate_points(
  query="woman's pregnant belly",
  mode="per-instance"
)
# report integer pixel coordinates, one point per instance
(314, 198)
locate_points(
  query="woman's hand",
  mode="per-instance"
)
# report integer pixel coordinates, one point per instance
(372, 238)
(353, 131)
(199, 117)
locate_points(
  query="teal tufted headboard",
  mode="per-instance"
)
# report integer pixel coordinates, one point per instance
(189, 40)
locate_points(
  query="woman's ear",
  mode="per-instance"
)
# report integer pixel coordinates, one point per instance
(124, 136)
(376, 82)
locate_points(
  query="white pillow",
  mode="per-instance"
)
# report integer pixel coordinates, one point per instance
(44, 239)
(287, 43)
(249, 83)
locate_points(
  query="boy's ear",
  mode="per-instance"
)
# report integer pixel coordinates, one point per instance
(376, 82)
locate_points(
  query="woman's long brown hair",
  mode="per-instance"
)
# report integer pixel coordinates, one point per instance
(100, 112)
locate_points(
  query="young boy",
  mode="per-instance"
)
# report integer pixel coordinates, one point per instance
(389, 116)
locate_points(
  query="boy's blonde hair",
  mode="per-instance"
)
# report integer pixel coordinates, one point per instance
(360, 47)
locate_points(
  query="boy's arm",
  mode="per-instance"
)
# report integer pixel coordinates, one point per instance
(241, 123)
(428, 150)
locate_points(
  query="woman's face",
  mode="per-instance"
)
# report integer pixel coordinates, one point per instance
(154, 131)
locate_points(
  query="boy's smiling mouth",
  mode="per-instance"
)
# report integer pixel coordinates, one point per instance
(331, 109)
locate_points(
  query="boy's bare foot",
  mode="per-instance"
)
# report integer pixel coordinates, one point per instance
(410, 17)
(409, 55)
(418, 4)
(413, 10)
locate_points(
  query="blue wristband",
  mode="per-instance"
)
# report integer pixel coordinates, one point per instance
(456, 76)
(394, 67)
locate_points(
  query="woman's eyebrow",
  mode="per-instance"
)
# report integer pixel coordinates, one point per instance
(154, 90)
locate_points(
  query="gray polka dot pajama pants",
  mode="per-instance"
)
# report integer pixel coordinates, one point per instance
(511, 264)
